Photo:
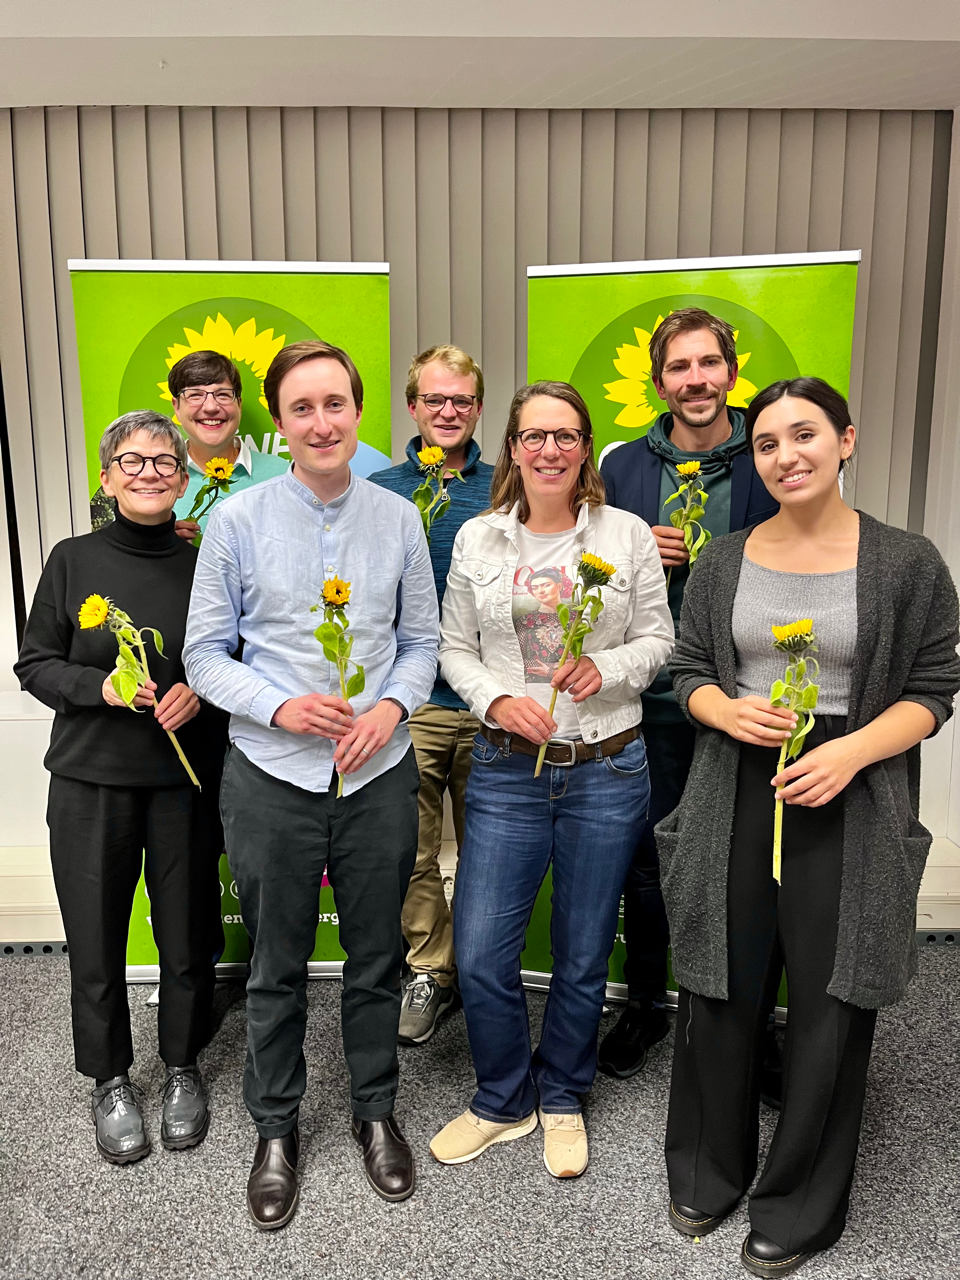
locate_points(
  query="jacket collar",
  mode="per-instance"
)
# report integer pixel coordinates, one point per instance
(507, 521)
(473, 454)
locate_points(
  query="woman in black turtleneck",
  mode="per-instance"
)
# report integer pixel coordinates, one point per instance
(118, 789)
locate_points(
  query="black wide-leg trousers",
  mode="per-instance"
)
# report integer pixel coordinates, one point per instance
(100, 839)
(800, 1201)
(279, 840)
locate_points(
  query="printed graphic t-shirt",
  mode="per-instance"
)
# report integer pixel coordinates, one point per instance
(544, 579)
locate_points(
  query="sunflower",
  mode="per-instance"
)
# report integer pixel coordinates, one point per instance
(242, 345)
(93, 612)
(218, 469)
(431, 456)
(633, 389)
(794, 637)
(594, 571)
(688, 468)
(336, 592)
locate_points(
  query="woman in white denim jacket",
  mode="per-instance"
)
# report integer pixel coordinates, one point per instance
(500, 649)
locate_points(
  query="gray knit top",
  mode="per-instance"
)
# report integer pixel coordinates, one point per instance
(770, 597)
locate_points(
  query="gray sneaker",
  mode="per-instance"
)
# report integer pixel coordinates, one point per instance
(121, 1137)
(185, 1115)
(424, 1003)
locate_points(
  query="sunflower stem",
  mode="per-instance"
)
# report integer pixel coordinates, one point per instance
(574, 623)
(169, 732)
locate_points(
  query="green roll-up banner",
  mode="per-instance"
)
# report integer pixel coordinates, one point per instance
(135, 319)
(590, 325)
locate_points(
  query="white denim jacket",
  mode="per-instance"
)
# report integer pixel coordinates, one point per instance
(633, 638)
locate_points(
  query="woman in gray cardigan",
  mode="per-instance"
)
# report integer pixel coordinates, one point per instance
(842, 920)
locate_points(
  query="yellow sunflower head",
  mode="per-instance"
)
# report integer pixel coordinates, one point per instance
(794, 637)
(336, 592)
(431, 456)
(594, 571)
(688, 468)
(93, 612)
(218, 469)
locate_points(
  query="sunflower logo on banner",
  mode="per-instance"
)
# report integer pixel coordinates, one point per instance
(633, 362)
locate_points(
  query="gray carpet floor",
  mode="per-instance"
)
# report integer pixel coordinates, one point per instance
(65, 1213)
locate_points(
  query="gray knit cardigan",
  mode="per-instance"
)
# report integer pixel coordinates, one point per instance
(907, 624)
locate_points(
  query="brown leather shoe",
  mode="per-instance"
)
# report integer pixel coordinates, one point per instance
(272, 1191)
(387, 1157)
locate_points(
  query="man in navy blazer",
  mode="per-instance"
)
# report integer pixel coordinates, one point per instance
(694, 368)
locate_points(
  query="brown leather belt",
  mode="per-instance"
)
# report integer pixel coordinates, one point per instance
(563, 753)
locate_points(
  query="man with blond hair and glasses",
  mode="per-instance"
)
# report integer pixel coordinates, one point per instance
(445, 399)
(693, 359)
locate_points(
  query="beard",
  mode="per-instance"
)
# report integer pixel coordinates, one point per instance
(719, 405)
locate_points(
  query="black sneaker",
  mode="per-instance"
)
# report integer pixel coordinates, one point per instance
(623, 1050)
(424, 1004)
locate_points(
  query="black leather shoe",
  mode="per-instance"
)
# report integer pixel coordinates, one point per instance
(185, 1115)
(691, 1222)
(623, 1050)
(762, 1257)
(387, 1157)
(771, 1070)
(272, 1191)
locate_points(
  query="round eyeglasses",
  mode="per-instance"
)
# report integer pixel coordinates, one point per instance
(131, 464)
(436, 403)
(194, 395)
(567, 439)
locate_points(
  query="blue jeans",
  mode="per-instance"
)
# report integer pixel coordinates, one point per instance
(588, 821)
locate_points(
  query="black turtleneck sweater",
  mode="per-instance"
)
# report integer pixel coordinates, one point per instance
(147, 571)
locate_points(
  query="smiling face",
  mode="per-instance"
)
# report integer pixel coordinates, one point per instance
(208, 422)
(147, 498)
(797, 451)
(319, 418)
(445, 427)
(695, 378)
(551, 472)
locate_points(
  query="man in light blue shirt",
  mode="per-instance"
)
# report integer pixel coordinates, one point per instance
(264, 557)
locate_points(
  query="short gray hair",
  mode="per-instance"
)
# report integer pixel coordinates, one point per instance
(157, 427)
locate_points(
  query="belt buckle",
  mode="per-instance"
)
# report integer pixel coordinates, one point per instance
(571, 745)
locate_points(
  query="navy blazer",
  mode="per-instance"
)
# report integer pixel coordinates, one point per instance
(631, 473)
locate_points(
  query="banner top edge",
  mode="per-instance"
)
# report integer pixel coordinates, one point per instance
(640, 267)
(234, 268)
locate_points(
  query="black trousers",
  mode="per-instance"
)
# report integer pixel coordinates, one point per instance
(100, 839)
(279, 840)
(645, 929)
(800, 1201)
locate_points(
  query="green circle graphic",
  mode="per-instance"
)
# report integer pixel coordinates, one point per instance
(769, 359)
(148, 367)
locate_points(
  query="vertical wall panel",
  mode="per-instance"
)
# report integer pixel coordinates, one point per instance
(630, 185)
(460, 202)
(299, 184)
(597, 185)
(133, 189)
(200, 235)
(165, 180)
(231, 150)
(433, 227)
(266, 184)
(400, 247)
(501, 272)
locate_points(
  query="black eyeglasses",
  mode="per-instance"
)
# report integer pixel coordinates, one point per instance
(131, 464)
(436, 403)
(194, 395)
(567, 439)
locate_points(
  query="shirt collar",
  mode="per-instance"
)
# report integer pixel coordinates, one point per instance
(243, 460)
(300, 490)
(473, 454)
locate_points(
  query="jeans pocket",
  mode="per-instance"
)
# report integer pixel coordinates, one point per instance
(630, 762)
(484, 752)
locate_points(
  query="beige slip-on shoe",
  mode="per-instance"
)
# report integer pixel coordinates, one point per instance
(468, 1136)
(564, 1145)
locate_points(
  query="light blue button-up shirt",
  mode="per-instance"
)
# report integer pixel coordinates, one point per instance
(262, 563)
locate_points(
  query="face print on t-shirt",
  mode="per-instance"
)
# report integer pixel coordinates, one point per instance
(536, 596)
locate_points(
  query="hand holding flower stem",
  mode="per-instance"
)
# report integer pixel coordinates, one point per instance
(337, 645)
(799, 694)
(432, 503)
(131, 673)
(687, 518)
(578, 618)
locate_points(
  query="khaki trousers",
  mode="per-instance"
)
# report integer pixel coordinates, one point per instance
(443, 741)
